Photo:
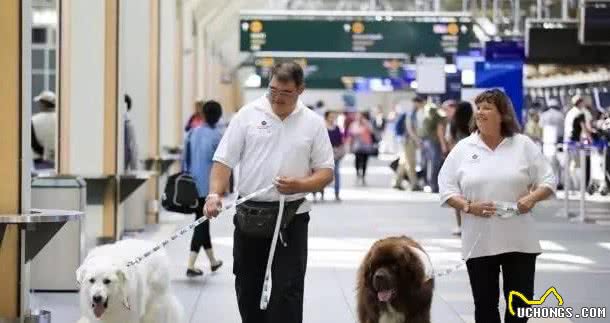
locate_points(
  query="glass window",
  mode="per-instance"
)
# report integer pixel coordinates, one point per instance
(52, 84)
(37, 87)
(38, 59)
(39, 35)
(52, 59)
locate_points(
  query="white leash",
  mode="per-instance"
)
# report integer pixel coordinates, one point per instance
(267, 283)
(192, 226)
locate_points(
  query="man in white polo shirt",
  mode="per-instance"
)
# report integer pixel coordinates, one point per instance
(277, 140)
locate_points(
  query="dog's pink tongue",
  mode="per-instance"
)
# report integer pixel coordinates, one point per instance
(385, 296)
(98, 310)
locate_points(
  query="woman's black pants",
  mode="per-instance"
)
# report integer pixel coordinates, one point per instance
(201, 235)
(518, 271)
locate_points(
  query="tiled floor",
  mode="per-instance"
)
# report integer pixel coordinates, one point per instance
(576, 256)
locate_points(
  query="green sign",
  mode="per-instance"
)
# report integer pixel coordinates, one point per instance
(335, 72)
(413, 36)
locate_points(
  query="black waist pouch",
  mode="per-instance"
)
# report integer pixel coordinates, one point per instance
(257, 219)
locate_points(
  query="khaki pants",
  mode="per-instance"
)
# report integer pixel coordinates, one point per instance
(407, 163)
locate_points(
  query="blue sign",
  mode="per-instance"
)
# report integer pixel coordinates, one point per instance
(453, 89)
(504, 51)
(507, 75)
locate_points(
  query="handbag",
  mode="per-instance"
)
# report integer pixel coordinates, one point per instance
(258, 219)
(180, 193)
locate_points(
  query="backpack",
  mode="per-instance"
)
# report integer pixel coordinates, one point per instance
(400, 127)
(181, 194)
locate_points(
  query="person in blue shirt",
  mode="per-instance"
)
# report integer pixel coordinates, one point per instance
(202, 142)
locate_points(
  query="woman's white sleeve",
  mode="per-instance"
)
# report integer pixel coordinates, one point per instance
(540, 170)
(448, 178)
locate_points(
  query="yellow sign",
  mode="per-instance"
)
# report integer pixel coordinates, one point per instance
(357, 27)
(540, 301)
(256, 26)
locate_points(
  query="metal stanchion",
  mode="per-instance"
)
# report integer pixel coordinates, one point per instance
(567, 182)
(583, 182)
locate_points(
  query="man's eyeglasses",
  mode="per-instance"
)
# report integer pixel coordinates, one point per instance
(280, 93)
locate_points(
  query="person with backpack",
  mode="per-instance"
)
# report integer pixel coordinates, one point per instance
(407, 125)
(201, 143)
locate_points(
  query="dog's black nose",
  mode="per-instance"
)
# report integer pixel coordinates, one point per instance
(97, 299)
(381, 279)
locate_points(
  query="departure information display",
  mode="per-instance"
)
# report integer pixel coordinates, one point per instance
(413, 36)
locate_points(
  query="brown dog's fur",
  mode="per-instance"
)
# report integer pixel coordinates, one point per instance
(413, 296)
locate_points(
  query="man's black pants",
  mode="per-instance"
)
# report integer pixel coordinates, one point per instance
(288, 274)
(518, 271)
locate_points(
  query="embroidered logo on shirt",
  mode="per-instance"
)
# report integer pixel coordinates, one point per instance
(264, 126)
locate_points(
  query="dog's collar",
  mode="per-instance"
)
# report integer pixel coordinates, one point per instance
(425, 260)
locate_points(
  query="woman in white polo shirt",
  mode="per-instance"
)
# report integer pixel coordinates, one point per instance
(493, 168)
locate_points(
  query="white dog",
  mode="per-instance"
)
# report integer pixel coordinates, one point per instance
(113, 293)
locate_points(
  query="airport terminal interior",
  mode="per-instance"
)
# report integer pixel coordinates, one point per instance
(101, 97)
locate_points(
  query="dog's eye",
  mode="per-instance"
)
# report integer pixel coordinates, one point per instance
(106, 281)
(92, 280)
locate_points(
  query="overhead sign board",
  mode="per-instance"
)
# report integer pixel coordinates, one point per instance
(414, 36)
(334, 72)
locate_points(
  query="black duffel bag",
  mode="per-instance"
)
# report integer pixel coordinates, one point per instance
(258, 219)
(181, 194)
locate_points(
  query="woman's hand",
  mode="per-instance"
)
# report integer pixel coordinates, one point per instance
(526, 204)
(482, 209)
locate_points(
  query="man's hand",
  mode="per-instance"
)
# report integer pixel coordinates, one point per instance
(288, 185)
(526, 204)
(213, 205)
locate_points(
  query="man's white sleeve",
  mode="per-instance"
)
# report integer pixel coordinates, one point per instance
(322, 150)
(231, 145)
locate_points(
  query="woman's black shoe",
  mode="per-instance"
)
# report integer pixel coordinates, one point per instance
(217, 265)
(194, 272)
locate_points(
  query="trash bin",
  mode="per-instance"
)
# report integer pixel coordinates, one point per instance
(68, 245)
(40, 316)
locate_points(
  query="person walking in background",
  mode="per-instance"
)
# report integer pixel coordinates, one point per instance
(44, 124)
(360, 136)
(200, 145)
(339, 150)
(434, 144)
(577, 129)
(408, 161)
(449, 108)
(553, 118)
(459, 128)
(196, 118)
(130, 143)
(552, 122)
(533, 128)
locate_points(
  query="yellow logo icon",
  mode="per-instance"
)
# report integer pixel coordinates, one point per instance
(256, 26)
(540, 301)
(453, 29)
(357, 27)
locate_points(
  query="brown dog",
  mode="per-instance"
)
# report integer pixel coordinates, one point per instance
(395, 283)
